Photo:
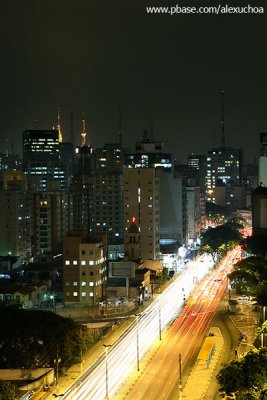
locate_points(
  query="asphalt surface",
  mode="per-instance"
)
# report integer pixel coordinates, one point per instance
(231, 326)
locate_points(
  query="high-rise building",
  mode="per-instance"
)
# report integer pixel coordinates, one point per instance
(224, 181)
(263, 159)
(173, 210)
(149, 154)
(195, 213)
(15, 232)
(259, 210)
(263, 142)
(106, 206)
(9, 162)
(141, 201)
(84, 268)
(199, 162)
(110, 158)
(52, 219)
(41, 160)
(225, 177)
(83, 157)
(106, 193)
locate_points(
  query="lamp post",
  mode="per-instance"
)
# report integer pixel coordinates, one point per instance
(106, 348)
(137, 341)
(159, 322)
(52, 298)
(180, 376)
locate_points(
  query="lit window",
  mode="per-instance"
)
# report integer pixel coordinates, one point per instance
(83, 283)
(67, 262)
(91, 283)
(75, 294)
(91, 262)
(67, 283)
(75, 262)
(83, 294)
(91, 294)
(75, 283)
(83, 262)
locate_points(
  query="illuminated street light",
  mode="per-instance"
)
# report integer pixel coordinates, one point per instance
(106, 348)
(52, 298)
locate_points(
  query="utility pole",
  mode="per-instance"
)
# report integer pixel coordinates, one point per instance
(180, 376)
(159, 322)
(137, 341)
(106, 351)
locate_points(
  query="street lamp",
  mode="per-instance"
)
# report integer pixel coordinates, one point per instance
(52, 298)
(106, 348)
(159, 322)
(137, 341)
(180, 376)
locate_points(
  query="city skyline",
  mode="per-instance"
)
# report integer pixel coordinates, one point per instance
(93, 56)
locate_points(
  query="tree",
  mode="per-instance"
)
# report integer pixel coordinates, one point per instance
(7, 391)
(248, 374)
(33, 338)
(217, 241)
(250, 275)
(231, 378)
(247, 395)
(256, 245)
(263, 394)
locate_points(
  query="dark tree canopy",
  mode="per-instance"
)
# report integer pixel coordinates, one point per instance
(245, 375)
(34, 338)
(250, 275)
(217, 241)
(256, 245)
(7, 391)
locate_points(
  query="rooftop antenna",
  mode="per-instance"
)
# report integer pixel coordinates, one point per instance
(120, 124)
(7, 152)
(83, 134)
(222, 121)
(71, 127)
(60, 137)
(151, 131)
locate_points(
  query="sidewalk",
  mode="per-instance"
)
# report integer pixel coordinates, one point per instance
(198, 381)
(74, 372)
(200, 377)
(246, 321)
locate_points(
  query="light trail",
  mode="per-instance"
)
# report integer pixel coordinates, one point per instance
(122, 355)
(185, 336)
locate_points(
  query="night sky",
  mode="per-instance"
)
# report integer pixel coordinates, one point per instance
(91, 55)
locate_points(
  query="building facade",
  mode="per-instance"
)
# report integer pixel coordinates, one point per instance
(15, 232)
(41, 160)
(225, 170)
(141, 201)
(84, 268)
(52, 219)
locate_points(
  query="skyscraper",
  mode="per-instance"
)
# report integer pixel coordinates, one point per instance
(263, 159)
(149, 153)
(224, 182)
(141, 201)
(106, 193)
(15, 232)
(41, 160)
